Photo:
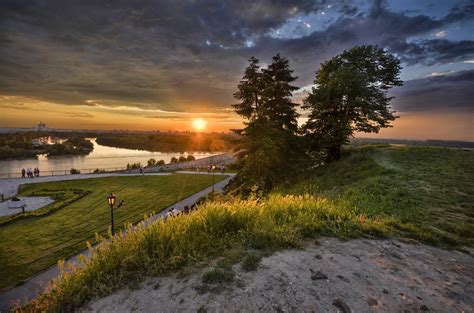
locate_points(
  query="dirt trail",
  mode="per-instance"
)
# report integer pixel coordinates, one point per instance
(335, 276)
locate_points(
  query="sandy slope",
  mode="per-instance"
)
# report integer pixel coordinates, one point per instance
(361, 276)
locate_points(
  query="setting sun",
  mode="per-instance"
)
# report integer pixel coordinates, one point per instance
(199, 124)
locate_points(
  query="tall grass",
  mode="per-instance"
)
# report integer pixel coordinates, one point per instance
(164, 246)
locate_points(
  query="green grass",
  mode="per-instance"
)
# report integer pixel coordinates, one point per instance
(427, 187)
(32, 243)
(414, 193)
(251, 262)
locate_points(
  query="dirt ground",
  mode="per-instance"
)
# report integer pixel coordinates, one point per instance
(334, 276)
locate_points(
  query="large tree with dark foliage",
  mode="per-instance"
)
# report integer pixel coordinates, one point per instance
(350, 95)
(269, 136)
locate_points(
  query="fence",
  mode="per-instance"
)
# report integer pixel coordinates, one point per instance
(225, 158)
(65, 172)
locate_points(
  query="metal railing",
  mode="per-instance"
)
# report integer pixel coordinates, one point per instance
(66, 172)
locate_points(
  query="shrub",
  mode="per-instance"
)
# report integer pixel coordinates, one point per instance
(151, 162)
(174, 160)
(74, 171)
(134, 166)
(99, 170)
(160, 162)
(182, 159)
(190, 158)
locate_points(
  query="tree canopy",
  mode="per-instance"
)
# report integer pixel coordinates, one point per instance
(350, 96)
(265, 101)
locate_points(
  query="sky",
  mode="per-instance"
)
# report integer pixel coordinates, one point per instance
(160, 64)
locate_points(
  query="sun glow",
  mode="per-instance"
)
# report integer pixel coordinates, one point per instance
(199, 124)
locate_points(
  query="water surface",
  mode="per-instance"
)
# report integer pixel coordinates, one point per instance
(101, 157)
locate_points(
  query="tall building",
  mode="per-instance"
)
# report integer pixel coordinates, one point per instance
(41, 127)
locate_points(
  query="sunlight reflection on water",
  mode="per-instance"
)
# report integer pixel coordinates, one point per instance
(101, 157)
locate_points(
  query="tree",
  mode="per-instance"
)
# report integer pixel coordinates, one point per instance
(151, 162)
(270, 127)
(350, 95)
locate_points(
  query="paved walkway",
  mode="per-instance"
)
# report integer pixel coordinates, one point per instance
(36, 284)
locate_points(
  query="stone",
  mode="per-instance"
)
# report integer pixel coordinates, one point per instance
(341, 305)
(372, 302)
(342, 278)
(317, 275)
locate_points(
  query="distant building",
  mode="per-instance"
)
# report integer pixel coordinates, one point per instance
(41, 127)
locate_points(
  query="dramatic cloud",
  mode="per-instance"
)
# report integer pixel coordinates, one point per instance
(187, 56)
(440, 92)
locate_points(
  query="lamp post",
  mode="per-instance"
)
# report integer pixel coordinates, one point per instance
(111, 201)
(213, 167)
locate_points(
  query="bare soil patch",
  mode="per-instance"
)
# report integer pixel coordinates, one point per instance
(351, 276)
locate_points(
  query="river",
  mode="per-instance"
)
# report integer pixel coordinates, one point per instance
(101, 157)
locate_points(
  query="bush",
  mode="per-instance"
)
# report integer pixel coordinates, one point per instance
(190, 158)
(99, 170)
(151, 162)
(160, 162)
(182, 159)
(174, 160)
(134, 166)
(74, 171)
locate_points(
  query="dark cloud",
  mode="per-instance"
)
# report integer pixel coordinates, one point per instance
(189, 55)
(430, 52)
(439, 93)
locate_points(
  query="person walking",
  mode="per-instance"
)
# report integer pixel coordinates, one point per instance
(23, 173)
(38, 172)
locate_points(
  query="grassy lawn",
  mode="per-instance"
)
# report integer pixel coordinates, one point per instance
(34, 243)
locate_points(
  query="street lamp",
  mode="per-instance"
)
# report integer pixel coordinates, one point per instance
(213, 168)
(111, 201)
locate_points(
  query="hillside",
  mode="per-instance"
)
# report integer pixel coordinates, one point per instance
(413, 194)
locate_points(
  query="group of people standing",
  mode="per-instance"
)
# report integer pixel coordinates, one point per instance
(30, 173)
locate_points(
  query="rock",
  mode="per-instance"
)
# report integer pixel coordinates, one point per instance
(342, 278)
(317, 275)
(372, 302)
(424, 308)
(341, 305)
(396, 255)
(318, 256)
(385, 291)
